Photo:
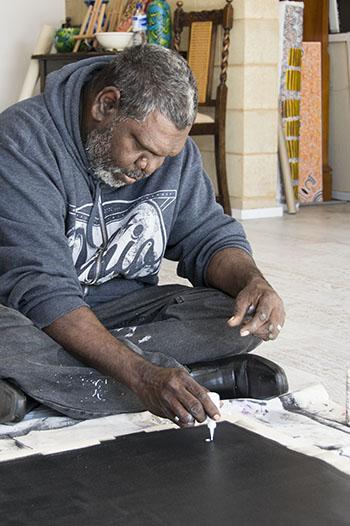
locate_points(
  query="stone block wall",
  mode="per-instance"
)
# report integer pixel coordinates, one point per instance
(251, 138)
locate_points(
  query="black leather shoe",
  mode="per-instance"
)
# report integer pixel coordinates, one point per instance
(13, 403)
(241, 376)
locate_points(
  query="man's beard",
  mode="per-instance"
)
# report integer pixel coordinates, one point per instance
(98, 149)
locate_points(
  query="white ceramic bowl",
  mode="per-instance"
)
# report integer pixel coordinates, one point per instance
(114, 40)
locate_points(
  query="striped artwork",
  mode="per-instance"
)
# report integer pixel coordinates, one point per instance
(291, 38)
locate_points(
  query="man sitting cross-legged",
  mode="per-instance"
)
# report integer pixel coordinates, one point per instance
(99, 182)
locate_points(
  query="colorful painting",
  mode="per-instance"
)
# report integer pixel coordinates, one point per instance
(310, 166)
(291, 38)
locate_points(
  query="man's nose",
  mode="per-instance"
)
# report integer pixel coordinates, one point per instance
(142, 163)
(149, 165)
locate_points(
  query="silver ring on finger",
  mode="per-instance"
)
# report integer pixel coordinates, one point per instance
(176, 419)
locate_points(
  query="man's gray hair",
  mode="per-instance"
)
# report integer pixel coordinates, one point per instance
(151, 78)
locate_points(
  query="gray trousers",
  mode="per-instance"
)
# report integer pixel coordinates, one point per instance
(168, 325)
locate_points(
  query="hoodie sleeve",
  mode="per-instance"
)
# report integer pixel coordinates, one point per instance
(200, 228)
(37, 275)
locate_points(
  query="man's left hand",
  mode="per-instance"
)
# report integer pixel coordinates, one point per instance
(264, 309)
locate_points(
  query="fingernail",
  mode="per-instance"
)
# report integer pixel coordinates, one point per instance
(244, 333)
(279, 328)
(271, 327)
(262, 316)
(216, 417)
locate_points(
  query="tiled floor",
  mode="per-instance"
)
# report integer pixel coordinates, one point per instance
(306, 257)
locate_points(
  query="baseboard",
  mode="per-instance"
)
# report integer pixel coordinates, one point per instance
(342, 196)
(257, 213)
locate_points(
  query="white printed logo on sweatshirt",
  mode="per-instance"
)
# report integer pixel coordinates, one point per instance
(125, 238)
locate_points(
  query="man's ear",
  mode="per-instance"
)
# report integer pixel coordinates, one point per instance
(105, 104)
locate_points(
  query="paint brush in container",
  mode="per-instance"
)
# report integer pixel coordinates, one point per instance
(215, 398)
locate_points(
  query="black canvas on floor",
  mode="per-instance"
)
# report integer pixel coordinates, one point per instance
(174, 477)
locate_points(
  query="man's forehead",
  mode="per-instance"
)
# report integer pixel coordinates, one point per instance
(159, 134)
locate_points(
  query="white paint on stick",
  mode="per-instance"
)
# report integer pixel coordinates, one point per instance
(215, 398)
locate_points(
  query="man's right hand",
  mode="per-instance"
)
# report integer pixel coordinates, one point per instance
(166, 392)
(172, 393)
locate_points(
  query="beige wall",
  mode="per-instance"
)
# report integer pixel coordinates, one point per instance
(339, 122)
(19, 35)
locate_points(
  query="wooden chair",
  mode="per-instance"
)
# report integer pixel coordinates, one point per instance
(203, 27)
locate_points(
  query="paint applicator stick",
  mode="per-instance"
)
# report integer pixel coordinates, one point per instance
(215, 398)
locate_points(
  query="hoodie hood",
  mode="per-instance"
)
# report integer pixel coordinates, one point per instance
(62, 98)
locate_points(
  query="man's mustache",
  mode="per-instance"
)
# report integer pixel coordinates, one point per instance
(133, 174)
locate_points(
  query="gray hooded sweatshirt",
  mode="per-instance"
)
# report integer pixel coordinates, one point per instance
(68, 240)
